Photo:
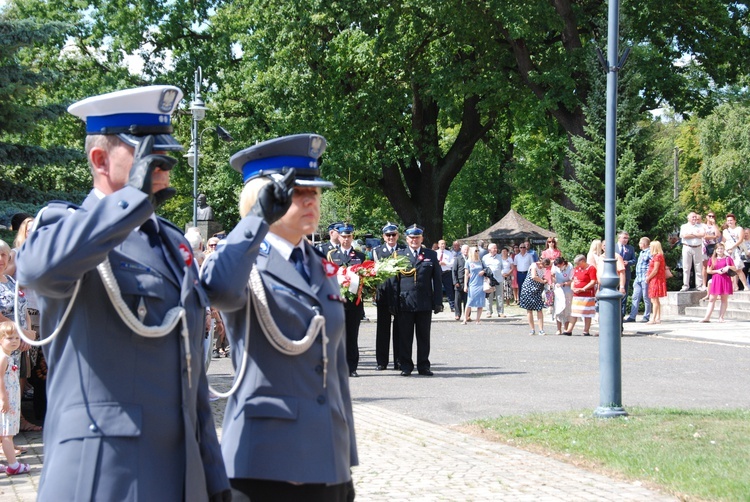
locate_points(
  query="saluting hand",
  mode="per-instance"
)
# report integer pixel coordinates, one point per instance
(275, 198)
(142, 171)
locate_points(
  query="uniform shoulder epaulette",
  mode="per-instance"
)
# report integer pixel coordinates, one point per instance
(54, 210)
(319, 252)
(168, 223)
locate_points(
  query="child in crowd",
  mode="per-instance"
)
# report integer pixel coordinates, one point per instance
(10, 398)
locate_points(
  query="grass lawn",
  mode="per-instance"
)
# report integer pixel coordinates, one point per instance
(696, 453)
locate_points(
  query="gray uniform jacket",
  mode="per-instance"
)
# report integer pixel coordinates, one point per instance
(123, 421)
(282, 424)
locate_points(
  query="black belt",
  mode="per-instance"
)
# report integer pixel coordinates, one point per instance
(696, 246)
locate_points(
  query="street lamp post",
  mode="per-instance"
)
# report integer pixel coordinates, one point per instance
(198, 110)
(610, 314)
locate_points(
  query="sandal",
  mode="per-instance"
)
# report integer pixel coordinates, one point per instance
(27, 426)
(586, 334)
(21, 469)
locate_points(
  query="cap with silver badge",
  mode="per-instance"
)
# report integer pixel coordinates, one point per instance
(414, 230)
(132, 114)
(390, 228)
(335, 225)
(345, 229)
(300, 152)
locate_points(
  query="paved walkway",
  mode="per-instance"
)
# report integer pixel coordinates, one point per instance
(406, 458)
(403, 458)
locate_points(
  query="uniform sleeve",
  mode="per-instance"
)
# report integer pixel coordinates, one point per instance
(68, 243)
(226, 271)
(213, 462)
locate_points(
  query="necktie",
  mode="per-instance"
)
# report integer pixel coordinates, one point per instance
(150, 230)
(299, 263)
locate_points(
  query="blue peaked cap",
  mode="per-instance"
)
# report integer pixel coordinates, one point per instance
(414, 230)
(345, 229)
(300, 152)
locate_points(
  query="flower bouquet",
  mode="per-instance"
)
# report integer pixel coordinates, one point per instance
(364, 278)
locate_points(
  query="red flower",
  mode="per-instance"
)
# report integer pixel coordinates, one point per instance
(14, 368)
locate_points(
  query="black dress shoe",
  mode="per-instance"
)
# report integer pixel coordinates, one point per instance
(426, 372)
(404, 373)
(380, 367)
(396, 366)
(628, 319)
(353, 374)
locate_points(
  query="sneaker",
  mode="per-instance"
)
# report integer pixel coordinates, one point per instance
(542, 333)
(21, 469)
(531, 333)
(684, 288)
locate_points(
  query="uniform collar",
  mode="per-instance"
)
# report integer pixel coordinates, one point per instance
(284, 247)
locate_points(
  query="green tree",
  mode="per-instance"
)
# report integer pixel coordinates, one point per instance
(643, 196)
(725, 147)
(30, 169)
(405, 91)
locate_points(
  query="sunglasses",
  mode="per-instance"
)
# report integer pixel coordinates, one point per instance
(523, 247)
(710, 216)
(391, 235)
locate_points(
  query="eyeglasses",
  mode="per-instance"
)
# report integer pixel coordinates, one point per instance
(523, 247)
(710, 216)
(390, 235)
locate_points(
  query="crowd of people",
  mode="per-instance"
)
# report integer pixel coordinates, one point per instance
(124, 301)
(717, 255)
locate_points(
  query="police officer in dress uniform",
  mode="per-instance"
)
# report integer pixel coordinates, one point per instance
(333, 238)
(418, 293)
(288, 429)
(383, 298)
(126, 383)
(346, 255)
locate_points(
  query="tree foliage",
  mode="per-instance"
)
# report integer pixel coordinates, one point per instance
(725, 147)
(409, 94)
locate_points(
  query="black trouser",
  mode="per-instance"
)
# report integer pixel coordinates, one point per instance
(352, 319)
(627, 286)
(408, 323)
(383, 336)
(448, 288)
(261, 490)
(460, 300)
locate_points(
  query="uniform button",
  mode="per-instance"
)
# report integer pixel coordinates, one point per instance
(123, 204)
(93, 428)
(249, 234)
(319, 369)
(321, 400)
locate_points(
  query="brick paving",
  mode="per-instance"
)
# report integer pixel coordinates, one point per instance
(425, 459)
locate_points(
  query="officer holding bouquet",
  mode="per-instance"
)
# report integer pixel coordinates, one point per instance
(383, 330)
(418, 293)
(346, 256)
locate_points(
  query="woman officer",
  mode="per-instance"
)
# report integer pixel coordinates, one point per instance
(288, 429)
